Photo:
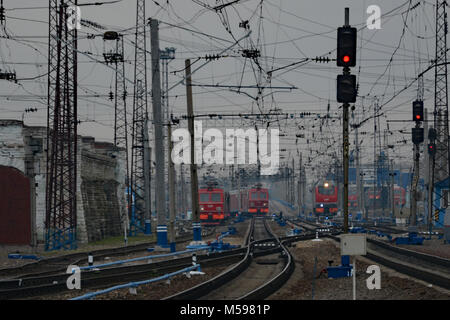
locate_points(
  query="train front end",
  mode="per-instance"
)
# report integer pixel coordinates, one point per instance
(212, 208)
(326, 200)
(258, 201)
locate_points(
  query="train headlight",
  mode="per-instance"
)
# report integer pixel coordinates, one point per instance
(326, 184)
(321, 205)
(202, 209)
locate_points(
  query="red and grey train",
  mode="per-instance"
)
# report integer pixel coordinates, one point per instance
(216, 205)
(325, 199)
(213, 205)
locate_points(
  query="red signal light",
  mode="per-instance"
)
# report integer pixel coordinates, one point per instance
(346, 59)
(418, 117)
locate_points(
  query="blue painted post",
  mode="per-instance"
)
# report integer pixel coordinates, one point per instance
(148, 227)
(197, 228)
(161, 233)
(437, 204)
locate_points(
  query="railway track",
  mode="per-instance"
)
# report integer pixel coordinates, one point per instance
(49, 266)
(253, 278)
(55, 284)
(436, 272)
(431, 269)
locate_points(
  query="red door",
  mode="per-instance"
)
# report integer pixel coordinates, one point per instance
(15, 207)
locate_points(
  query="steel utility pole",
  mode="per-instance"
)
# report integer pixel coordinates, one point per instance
(182, 195)
(346, 160)
(375, 160)
(359, 186)
(172, 205)
(139, 213)
(346, 140)
(193, 166)
(299, 185)
(147, 177)
(417, 137)
(293, 183)
(415, 182)
(166, 56)
(346, 93)
(426, 156)
(61, 184)
(115, 54)
(432, 153)
(392, 174)
(159, 146)
(441, 158)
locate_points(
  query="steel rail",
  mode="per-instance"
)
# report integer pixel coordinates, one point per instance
(261, 292)
(60, 263)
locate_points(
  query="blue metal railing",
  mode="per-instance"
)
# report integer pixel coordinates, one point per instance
(135, 284)
(141, 258)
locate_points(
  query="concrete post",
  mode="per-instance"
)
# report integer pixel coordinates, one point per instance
(159, 146)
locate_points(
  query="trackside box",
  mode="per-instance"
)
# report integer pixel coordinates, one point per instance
(353, 245)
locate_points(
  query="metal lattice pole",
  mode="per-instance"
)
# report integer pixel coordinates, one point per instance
(116, 56)
(61, 186)
(137, 181)
(120, 107)
(441, 159)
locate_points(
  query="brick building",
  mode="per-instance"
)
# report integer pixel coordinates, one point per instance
(101, 207)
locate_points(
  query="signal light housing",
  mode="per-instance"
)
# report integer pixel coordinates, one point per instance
(431, 149)
(431, 134)
(418, 111)
(346, 47)
(346, 88)
(417, 135)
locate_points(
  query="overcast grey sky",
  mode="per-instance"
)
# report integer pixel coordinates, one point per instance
(285, 31)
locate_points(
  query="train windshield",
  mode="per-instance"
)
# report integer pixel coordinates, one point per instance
(326, 191)
(262, 195)
(215, 197)
(204, 197)
(254, 195)
(398, 191)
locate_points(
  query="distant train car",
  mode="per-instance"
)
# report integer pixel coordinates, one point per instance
(326, 199)
(212, 206)
(238, 202)
(352, 198)
(258, 200)
(399, 196)
(373, 198)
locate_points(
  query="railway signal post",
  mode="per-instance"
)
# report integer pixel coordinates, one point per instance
(346, 93)
(417, 137)
(431, 152)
